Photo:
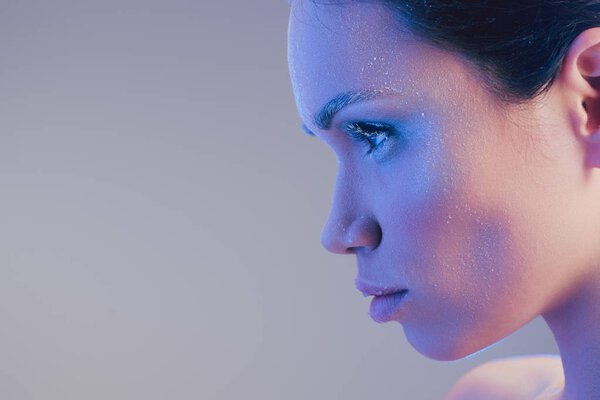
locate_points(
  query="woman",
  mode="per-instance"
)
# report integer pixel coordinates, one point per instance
(467, 136)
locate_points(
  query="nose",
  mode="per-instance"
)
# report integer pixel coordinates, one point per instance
(349, 225)
(346, 238)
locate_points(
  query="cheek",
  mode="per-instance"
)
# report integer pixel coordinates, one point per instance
(460, 255)
(459, 258)
(467, 285)
(463, 245)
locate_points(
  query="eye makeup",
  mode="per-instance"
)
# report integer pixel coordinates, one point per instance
(375, 135)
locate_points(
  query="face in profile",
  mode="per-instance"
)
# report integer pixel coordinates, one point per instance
(440, 190)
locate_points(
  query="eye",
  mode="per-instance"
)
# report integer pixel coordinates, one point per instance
(374, 134)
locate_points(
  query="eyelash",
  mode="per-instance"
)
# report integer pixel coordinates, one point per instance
(363, 132)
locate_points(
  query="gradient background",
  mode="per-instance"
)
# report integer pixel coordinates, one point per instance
(160, 213)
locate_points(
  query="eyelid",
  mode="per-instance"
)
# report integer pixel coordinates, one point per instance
(369, 124)
(364, 132)
(363, 129)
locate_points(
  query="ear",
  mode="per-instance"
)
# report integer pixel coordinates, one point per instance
(580, 76)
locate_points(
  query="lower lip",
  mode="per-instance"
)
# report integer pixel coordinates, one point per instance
(388, 307)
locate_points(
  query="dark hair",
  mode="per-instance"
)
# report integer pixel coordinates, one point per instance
(519, 45)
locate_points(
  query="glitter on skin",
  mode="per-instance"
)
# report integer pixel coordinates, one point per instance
(454, 213)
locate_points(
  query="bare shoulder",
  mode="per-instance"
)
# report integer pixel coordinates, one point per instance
(523, 377)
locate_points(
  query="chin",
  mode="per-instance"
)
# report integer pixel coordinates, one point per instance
(442, 346)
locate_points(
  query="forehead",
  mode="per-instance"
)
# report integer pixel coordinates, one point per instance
(352, 45)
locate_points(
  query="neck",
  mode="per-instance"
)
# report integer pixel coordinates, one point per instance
(576, 327)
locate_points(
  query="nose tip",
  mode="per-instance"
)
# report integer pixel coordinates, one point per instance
(344, 238)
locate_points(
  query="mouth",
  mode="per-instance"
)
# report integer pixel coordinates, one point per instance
(388, 307)
(388, 301)
(369, 289)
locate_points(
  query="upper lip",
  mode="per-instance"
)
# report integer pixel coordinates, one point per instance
(372, 289)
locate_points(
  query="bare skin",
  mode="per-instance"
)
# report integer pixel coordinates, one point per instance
(516, 378)
(488, 215)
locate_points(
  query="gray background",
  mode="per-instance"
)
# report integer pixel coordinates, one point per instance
(160, 213)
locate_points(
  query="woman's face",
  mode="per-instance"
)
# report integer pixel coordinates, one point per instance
(439, 190)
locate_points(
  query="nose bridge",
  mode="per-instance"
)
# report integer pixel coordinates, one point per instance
(335, 231)
(348, 225)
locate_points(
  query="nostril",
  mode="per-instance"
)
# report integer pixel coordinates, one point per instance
(340, 238)
(365, 232)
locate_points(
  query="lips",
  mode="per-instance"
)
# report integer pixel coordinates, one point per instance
(370, 289)
(387, 299)
(387, 307)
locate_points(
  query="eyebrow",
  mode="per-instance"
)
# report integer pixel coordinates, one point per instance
(323, 118)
